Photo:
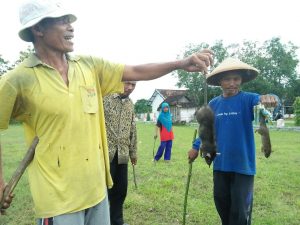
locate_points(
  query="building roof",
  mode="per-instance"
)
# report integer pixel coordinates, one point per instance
(171, 92)
(165, 93)
(173, 97)
(181, 101)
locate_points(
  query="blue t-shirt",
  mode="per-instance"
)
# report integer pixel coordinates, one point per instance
(234, 133)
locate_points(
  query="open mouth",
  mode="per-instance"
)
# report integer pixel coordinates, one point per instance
(68, 38)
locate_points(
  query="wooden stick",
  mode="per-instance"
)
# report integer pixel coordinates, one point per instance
(134, 176)
(188, 183)
(19, 171)
(153, 147)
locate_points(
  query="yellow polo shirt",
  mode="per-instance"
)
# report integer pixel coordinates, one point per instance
(70, 169)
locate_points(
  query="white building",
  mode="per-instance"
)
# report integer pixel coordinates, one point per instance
(181, 107)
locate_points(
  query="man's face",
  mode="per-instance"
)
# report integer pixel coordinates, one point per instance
(230, 83)
(57, 33)
(128, 88)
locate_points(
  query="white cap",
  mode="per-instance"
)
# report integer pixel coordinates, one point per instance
(32, 12)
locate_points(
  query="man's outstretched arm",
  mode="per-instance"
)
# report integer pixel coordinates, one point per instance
(197, 62)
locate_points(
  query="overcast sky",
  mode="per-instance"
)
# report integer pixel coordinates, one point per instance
(142, 31)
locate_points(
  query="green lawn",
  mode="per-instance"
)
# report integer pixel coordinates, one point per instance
(161, 187)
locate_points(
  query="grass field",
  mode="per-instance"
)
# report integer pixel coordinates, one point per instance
(161, 186)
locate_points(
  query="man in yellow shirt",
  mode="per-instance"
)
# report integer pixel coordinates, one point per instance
(58, 97)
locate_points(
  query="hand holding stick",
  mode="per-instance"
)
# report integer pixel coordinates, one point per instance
(19, 171)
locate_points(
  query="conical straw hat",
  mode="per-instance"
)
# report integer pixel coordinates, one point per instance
(247, 72)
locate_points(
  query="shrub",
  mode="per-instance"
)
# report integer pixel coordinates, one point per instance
(296, 106)
(148, 116)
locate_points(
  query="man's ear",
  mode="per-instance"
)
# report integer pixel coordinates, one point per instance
(36, 30)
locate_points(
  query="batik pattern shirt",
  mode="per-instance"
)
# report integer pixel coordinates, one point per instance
(120, 127)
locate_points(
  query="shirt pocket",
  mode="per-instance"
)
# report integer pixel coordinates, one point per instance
(89, 99)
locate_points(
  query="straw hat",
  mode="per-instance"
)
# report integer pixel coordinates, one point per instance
(33, 11)
(246, 71)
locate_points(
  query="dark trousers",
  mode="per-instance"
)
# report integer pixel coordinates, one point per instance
(165, 146)
(118, 192)
(233, 196)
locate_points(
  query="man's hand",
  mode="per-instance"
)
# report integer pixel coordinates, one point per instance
(133, 161)
(192, 155)
(268, 100)
(198, 62)
(7, 200)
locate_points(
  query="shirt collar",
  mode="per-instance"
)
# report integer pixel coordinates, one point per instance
(118, 96)
(33, 60)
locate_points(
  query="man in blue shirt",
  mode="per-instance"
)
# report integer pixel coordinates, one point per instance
(234, 168)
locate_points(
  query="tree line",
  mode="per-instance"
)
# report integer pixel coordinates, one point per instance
(276, 61)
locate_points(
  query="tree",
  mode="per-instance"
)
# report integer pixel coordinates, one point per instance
(3, 65)
(276, 61)
(23, 55)
(141, 106)
(195, 82)
(294, 90)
